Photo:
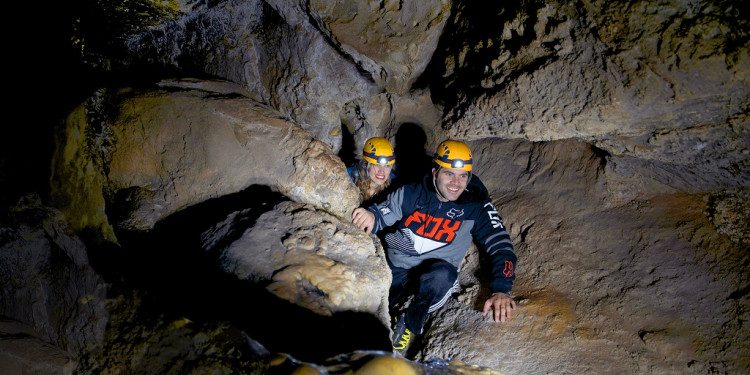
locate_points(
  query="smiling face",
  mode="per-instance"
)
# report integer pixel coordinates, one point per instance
(450, 183)
(379, 173)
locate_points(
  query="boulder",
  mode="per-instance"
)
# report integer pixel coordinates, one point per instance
(47, 283)
(308, 257)
(23, 352)
(136, 157)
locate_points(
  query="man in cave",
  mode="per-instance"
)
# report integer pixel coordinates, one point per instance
(437, 220)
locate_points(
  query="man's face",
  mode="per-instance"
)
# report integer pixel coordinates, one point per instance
(450, 182)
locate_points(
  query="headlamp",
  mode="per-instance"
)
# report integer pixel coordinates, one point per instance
(455, 155)
(383, 160)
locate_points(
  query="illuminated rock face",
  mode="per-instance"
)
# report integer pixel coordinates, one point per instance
(600, 277)
(612, 136)
(164, 151)
(307, 257)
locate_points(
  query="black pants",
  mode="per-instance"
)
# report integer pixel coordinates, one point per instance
(431, 283)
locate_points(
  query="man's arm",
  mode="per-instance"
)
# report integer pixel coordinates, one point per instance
(378, 216)
(494, 238)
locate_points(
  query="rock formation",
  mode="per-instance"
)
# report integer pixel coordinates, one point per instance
(612, 136)
(168, 149)
(53, 301)
(307, 257)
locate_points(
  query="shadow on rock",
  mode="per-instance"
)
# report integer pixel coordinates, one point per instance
(179, 278)
(413, 161)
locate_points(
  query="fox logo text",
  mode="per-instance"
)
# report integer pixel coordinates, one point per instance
(508, 271)
(494, 215)
(435, 228)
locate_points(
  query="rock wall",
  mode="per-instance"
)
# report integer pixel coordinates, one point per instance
(635, 288)
(146, 155)
(613, 137)
(53, 305)
(307, 257)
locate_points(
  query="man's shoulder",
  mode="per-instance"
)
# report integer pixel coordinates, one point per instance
(475, 194)
(477, 183)
(411, 186)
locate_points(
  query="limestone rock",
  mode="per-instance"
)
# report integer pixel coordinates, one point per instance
(393, 41)
(729, 214)
(23, 352)
(634, 76)
(410, 122)
(138, 341)
(304, 59)
(613, 137)
(149, 154)
(307, 257)
(273, 51)
(46, 281)
(639, 292)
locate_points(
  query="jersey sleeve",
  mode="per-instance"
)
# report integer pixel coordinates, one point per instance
(490, 233)
(389, 211)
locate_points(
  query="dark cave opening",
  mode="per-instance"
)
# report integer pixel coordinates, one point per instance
(412, 160)
(348, 152)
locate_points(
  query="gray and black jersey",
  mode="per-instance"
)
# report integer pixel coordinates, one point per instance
(429, 228)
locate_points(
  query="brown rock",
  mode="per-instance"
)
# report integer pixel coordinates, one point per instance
(310, 258)
(166, 150)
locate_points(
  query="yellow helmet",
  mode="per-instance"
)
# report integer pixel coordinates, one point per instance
(378, 150)
(453, 154)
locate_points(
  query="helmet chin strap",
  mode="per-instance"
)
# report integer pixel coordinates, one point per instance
(438, 190)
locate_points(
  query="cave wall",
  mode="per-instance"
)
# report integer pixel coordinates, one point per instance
(613, 137)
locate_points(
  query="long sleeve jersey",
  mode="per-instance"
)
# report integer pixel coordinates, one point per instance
(429, 228)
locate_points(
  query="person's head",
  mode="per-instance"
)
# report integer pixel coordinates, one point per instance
(379, 157)
(452, 169)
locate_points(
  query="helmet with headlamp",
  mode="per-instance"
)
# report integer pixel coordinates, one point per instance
(378, 150)
(454, 155)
